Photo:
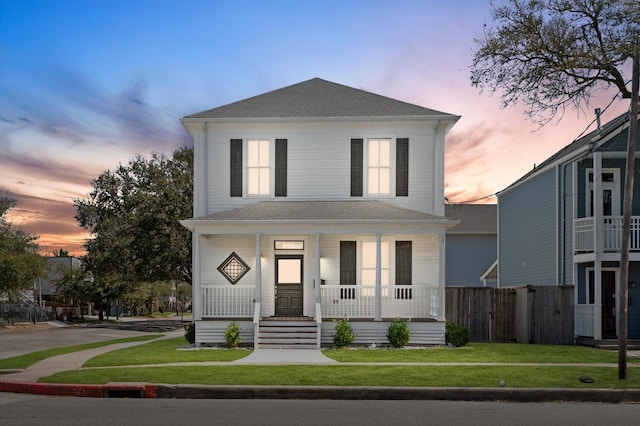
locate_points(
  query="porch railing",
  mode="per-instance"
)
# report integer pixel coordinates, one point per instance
(584, 320)
(223, 302)
(353, 301)
(612, 233)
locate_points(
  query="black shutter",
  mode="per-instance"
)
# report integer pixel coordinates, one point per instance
(357, 152)
(402, 167)
(347, 268)
(281, 167)
(403, 268)
(236, 168)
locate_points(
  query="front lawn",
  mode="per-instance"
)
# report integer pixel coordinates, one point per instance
(358, 375)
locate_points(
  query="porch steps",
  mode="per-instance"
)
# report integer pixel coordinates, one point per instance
(608, 344)
(297, 334)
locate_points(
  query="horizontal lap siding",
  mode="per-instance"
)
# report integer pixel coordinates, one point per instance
(568, 226)
(468, 257)
(318, 160)
(527, 224)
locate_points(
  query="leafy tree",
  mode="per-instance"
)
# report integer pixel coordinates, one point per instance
(20, 263)
(72, 282)
(132, 214)
(551, 54)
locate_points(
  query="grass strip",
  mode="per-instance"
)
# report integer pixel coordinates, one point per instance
(353, 375)
(24, 361)
(482, 353)
(163, 351)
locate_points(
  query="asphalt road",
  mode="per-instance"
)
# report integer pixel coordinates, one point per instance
(70, 411)
(22, 341)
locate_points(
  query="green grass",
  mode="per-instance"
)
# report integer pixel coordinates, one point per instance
(356, 375)
(24, 361)
(163, 351)
(482, 353)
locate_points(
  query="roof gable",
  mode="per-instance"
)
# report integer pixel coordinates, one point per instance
(318, 98)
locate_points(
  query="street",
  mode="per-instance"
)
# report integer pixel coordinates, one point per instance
(37, 410)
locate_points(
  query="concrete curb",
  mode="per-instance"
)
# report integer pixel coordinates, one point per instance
(148, 390)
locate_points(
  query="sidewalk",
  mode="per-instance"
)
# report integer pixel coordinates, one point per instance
(25, 381)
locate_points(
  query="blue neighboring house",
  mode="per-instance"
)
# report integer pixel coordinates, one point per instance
(560, 224)
(471, 245)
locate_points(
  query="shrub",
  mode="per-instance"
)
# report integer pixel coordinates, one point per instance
(398, 333)
(190, 333)
(456, 334)
(344, 333)
(232, 335)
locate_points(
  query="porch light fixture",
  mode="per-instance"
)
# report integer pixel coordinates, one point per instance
(233, 268)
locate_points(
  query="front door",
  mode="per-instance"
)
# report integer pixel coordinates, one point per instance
(288, 289)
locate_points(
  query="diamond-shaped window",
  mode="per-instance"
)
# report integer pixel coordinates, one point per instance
(233, 268)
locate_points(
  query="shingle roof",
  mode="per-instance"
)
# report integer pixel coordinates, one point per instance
(474, 218)
(321, 211)
(318, 98)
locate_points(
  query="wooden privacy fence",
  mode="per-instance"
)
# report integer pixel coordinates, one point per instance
(527, 314)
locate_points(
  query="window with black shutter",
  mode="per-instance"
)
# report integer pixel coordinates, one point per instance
(347, 268)
(402, 167)
(236, 168)
(281, 168)
(403, 269)
(357, 152)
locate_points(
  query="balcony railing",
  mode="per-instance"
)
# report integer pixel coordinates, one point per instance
(353, 301)
(611, 233)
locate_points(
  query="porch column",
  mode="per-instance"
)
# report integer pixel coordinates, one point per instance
(597, 300)
(196, 307)
(378, 297)
(596, 200)
(318, 279)
(258, 296)
(441, 279)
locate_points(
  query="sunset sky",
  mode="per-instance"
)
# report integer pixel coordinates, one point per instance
(88, 84)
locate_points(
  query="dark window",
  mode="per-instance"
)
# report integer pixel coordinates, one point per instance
(281, 168)
(347, 268)
(236, 168)
(402, 167)
(403, 269)
(357, 152)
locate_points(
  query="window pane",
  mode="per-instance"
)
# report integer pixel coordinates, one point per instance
(369, 255)
(289, 271)
(264, 154)
(373, 181)
(373, 153)
(253, 154)
(369, 277)
(385, 182)
(384, 248)
(385, 154)
(264, 181)
(253, 181)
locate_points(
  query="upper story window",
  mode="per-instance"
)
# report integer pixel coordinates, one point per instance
(263, 167)
(610, 179)
(258, 167)
(379, 167)
(372, 167)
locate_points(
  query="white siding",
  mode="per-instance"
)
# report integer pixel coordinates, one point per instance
(319, 161)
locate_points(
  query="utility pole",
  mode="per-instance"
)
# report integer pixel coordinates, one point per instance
(623, 300)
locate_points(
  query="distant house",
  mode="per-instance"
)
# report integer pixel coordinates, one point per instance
(471, 245)
(313, 202)
(561, 223)
(46, 290)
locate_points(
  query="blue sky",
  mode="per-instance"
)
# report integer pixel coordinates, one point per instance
(88, 84)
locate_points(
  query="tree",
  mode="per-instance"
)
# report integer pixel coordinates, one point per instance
(20, 263)
(132, 214)
(550, 54)
(553, 54)
(61, 253)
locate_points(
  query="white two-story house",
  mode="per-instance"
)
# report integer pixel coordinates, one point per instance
(314, 202)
